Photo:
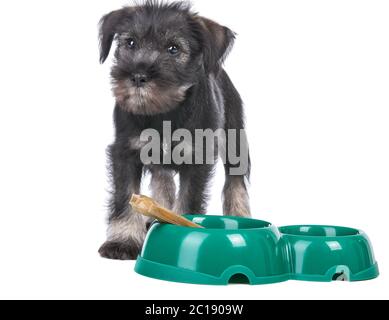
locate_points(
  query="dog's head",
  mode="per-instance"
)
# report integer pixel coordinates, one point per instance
(162, 49)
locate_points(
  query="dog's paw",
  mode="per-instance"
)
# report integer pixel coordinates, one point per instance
(120, 250)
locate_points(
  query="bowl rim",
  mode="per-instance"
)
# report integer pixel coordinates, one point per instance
(268, 226)
(357, 232)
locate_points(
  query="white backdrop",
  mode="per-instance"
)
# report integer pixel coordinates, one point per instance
(314, 76)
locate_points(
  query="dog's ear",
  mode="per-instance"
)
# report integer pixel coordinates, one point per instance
(217, 43)
(108, 29)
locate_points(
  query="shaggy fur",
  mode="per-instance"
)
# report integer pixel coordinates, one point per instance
(153, 82)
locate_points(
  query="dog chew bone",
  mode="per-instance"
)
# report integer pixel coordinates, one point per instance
(148, 207)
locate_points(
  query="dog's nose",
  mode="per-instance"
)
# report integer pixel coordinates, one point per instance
(139, 80)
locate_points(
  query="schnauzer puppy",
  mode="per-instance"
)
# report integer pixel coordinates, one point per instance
(167, 67)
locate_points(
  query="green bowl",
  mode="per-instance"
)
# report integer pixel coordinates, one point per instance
(229, 249)
(241, 250)
(326, 253)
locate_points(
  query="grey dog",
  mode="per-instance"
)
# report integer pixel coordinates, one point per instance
(167, 67)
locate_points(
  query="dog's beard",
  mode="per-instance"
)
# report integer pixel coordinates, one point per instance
(150, 99)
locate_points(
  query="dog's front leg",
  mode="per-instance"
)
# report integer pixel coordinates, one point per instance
(235, 197)
(126, 230)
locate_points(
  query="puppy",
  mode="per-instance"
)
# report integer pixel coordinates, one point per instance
(167, 67)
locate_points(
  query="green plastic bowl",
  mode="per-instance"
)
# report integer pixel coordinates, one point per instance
(326, 253)
(229, 249)
(241, 250)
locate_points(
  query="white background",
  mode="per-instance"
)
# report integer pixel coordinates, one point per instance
(314, 76)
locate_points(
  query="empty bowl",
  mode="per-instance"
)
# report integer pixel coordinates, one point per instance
(326, 253)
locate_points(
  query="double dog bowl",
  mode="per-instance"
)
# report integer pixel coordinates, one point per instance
(241, 250)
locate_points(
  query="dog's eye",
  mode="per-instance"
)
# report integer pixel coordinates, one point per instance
(131, 43)
(173, 50)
